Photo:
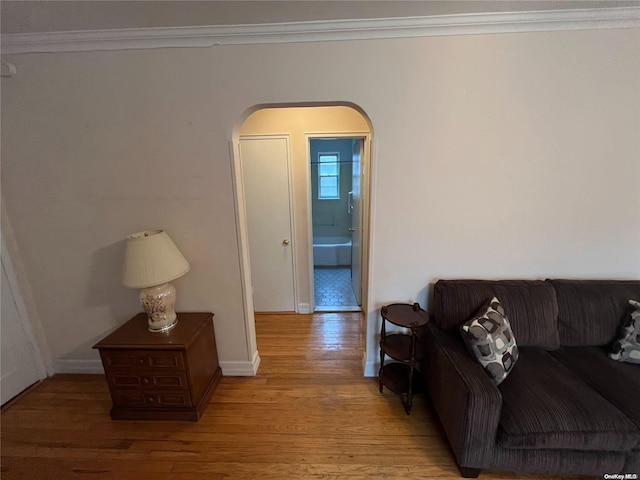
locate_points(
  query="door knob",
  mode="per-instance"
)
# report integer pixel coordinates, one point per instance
(351, 229)
(285, 242)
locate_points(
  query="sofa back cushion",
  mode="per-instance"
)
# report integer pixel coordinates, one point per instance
(530, 305)
(590, 311)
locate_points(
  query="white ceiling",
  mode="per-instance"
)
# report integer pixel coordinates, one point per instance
(55, 16)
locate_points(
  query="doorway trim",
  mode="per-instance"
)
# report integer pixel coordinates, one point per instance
(249, 367)
(20, 306)
(366, 188)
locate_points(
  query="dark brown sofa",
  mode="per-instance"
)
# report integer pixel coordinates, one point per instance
(566, 407)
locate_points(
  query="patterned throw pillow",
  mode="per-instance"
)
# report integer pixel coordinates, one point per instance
(627, 347)
(489, 338)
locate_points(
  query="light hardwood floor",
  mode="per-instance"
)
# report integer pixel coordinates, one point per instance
(308, 413)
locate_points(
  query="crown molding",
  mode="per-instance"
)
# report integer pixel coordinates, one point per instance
(320, 31)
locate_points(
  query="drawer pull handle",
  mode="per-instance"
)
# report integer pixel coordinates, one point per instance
(141, 361)
(150, 399)
(145, 380)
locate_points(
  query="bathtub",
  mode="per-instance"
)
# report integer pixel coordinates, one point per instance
(331, 251)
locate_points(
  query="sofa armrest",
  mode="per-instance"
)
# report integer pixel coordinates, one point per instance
(465, 398)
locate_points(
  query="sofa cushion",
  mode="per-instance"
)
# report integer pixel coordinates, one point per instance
(590, 311)
(489, 338)
(627, 347)
(617, 382)
(546, 406)
(633, 462)
(530, 305)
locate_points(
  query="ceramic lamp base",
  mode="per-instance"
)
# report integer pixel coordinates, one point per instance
(159, 303)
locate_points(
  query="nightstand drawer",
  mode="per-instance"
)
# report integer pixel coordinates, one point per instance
(166, 380)
(151, 399)
(140, 359)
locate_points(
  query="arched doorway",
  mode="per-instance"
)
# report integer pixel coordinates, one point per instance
(285, 131)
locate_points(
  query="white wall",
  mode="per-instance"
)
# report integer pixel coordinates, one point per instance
(510, 155)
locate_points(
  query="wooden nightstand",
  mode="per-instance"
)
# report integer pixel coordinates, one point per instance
(161, 376)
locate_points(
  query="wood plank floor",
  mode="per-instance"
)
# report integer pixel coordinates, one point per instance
(308, 413)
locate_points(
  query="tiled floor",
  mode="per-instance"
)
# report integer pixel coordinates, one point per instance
(333, 289)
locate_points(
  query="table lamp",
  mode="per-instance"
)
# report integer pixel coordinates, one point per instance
(151, 261)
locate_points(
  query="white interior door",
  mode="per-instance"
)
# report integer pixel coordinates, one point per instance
(19, 367)
(356, 220)
(266, 181)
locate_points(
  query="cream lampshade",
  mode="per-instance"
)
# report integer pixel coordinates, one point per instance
(151, 261)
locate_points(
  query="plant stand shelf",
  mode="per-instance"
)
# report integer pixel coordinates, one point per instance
(401, 376)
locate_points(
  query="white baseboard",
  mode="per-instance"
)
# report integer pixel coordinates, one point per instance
(62, 365)
(48, 367)
(241, 369)
(370, 368)
(304, 308)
